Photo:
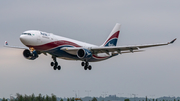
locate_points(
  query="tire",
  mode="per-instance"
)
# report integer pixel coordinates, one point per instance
(82, 64)
(89, 67)
(85, 67)
(54, 67)
(59, 67)
(52, 63)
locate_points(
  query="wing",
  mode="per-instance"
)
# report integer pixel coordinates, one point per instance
(114, 49)
(127, 49)
(17, 47)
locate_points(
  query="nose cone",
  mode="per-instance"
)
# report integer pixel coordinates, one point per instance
(27, 40)
(23, 39)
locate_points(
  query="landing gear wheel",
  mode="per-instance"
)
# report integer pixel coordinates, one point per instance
(54, 67)
(82, 63)
(55, 64)
(85, 68)
(52, 63)
(89, 67)
(59, 67)
(86, 65)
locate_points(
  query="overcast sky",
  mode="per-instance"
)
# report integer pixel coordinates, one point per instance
(153, 73)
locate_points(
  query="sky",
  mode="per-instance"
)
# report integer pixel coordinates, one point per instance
(153, 73)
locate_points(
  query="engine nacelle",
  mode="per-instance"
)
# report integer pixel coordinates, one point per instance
(84, 54)
(30, 55)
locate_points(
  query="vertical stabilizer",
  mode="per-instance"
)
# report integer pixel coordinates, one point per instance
(113, 37)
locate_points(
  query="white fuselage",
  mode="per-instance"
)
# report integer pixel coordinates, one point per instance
(50, 43)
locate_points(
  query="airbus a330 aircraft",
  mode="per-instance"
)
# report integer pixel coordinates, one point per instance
(38, 42)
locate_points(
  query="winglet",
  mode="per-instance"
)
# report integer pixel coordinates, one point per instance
(5, 43)
(172, 41)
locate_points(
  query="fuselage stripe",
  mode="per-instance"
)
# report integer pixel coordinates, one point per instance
(53, 45)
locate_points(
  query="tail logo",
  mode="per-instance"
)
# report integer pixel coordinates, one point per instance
(112, 41)
(6, 43)
(111, 44)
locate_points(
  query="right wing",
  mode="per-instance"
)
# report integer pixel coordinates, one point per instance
(117, 49)
(127, 49)
(17, 47)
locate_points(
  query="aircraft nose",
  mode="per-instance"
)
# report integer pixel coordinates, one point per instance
(24, 39)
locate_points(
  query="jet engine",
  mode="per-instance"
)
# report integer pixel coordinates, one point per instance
(30, 55)
(84, 54)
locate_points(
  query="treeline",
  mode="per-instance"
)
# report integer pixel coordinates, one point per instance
(32, 97)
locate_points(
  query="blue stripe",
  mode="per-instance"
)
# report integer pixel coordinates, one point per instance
(112, 42)
(60, 53)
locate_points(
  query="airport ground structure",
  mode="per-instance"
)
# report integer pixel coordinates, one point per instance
(53, 97)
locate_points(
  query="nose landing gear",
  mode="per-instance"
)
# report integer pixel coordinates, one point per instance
(86, 65)
(55, 64)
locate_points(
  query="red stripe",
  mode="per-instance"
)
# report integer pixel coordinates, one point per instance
(54, 45)
(115, 35)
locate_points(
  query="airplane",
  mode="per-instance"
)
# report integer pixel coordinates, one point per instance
(39, 42)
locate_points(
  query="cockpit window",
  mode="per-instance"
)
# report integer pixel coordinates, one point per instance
(27, 34)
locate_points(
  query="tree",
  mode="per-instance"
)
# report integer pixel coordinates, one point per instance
(39, 98)
(32, 97)
(19, 97)
(4, 99)
(146, 98)
(53, 97)
(48, 98)
(72, 99)
(94, 99)
(126, 100)
(61, 100)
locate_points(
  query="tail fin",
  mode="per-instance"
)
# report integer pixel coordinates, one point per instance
(113, 37)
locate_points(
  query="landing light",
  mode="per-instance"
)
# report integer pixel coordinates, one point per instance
(31, 49)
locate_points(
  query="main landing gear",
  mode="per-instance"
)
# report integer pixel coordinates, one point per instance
(86, 65)
(55, 64)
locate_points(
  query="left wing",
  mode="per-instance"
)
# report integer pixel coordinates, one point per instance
(118, 49)
(17, 47)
